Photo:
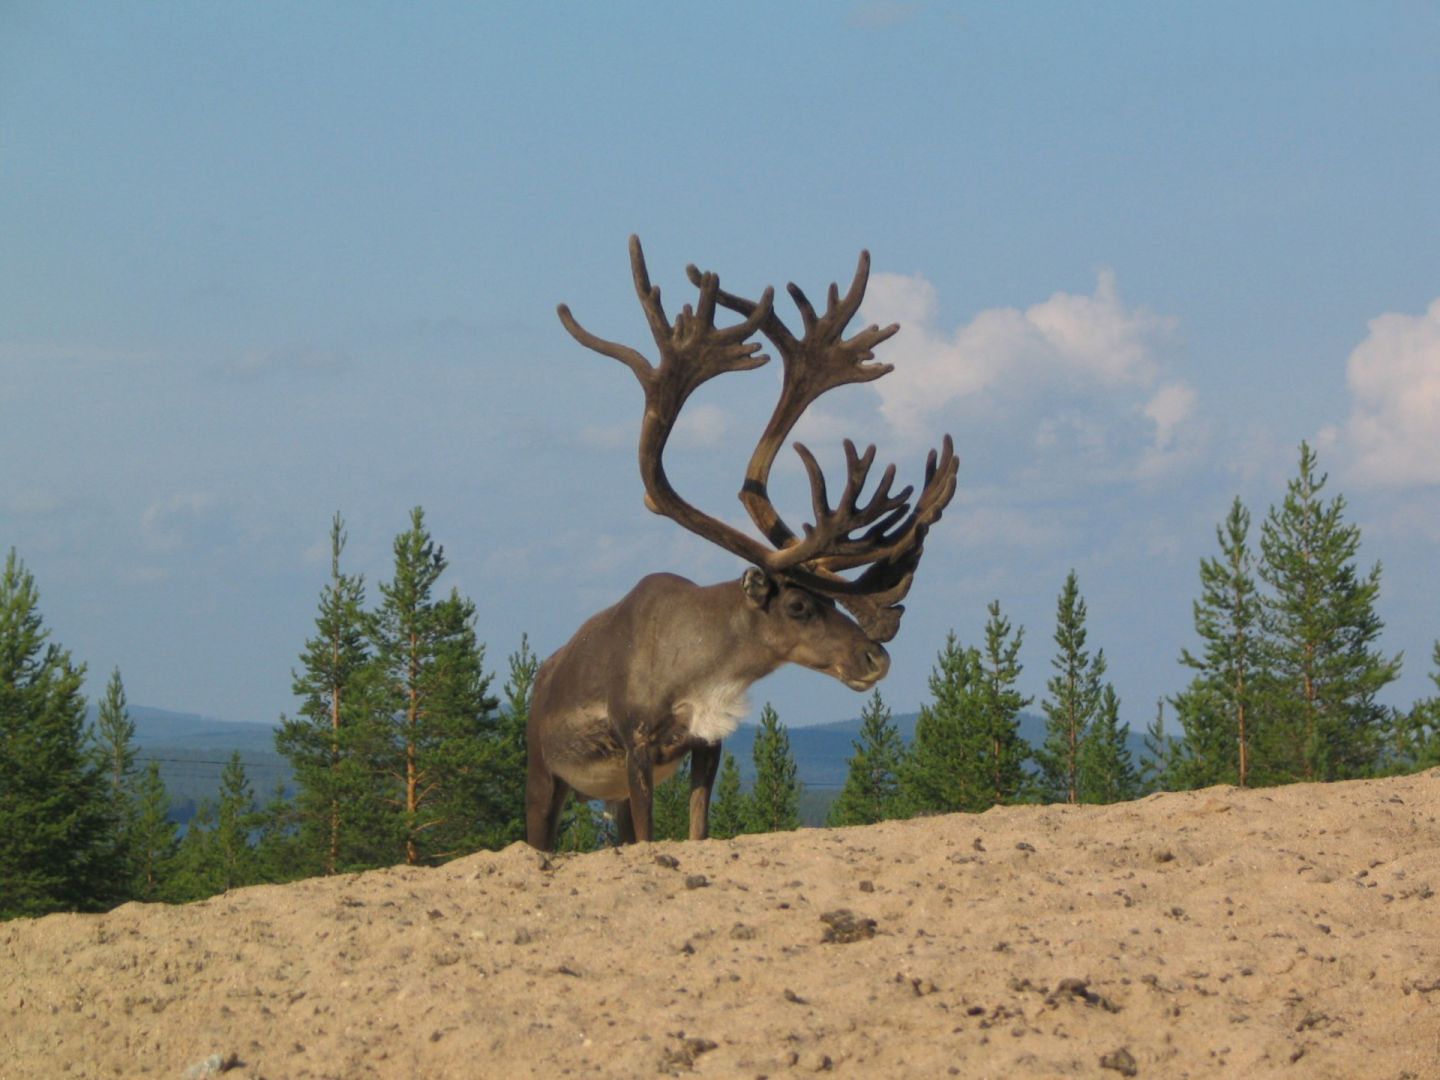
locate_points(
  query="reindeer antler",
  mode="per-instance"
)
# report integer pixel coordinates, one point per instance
(694, 350)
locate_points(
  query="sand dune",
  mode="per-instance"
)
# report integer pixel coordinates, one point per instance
(1289, 932)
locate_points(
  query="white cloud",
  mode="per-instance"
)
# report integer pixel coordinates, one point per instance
(1070, 342)
(1392, 437)
(1075, 379)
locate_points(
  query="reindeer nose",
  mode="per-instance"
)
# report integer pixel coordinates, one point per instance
(877, 661)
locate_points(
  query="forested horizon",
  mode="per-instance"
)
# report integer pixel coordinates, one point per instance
(407, 743)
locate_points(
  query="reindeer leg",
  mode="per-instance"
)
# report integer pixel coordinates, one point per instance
(704, 764)
(544, 799)
(640, 770)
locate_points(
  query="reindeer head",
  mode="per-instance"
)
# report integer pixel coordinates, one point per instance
(883, 534)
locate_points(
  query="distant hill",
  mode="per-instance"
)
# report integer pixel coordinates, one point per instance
(193, 750)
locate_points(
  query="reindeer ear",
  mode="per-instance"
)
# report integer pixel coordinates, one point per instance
(759, 587)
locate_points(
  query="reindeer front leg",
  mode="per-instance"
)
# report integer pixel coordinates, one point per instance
(640, 773)
(704, 764)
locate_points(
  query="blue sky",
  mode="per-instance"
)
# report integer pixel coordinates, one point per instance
(264, 262)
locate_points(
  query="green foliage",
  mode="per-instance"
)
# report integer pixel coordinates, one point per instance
(728, 807)
(1157, 771)
(1418, 732)
(59, 843)
(441, 723)
(1001, 752)
(1217, 711)
(582, 828)
(114, 744)
(774, 802)
(510, 749)
(943, 771)
(1322, 721)
(872, 783)
(1074, 699)
(333, 745)
(154, 838)
(1107, 773)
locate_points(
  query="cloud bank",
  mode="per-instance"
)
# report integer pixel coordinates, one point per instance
(1073, 372)
(1392, 437)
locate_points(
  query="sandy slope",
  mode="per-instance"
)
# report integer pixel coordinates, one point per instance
(1291, 932)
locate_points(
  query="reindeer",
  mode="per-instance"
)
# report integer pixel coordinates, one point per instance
(664, 672)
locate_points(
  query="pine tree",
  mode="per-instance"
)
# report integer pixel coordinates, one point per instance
(510, 752)
(1157, 771)
(1322, 629)
(944, 770)
(774, 802)
(58, 845)
(442, 718)
(728, 809)
(154, 840)
(1107, 771)
(333, 743)
(115, 742)
(871, 783)
(1216, 711)
(196, 872)
(581, 827)
(1420, 728)
(114, 737)
(280, 853)
(1002, 750)
(235, 818)
(1074, 701)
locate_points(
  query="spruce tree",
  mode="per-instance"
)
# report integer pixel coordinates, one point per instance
(444, 731)
(155, 838)
(59, 849)
(1157, 770)
(1074, 701)
(1107, 769)
(235, 819)
(871, 783)
(944, 770)
(582, 829)
(510, 763)
(333, 743)
(1322, 628)
(1216, 712)
(728, 810)
(1002, 750)
(1420, 728)
(280, 853)
(114, 738)
(774, 802)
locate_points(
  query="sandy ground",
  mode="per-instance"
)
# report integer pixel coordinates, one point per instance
(1291, 932)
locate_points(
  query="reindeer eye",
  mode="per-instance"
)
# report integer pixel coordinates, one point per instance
(798, 609)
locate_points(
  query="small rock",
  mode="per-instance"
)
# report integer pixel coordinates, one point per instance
(1163, 855)
(696, 881)
(843, 926)
(667, 861)
(1121, 1060)
(794, 998)
(1023, 846)
(741, 932)
(213, 1065)
(867, 885)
